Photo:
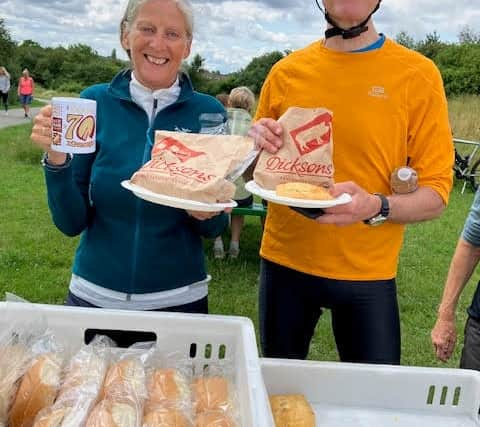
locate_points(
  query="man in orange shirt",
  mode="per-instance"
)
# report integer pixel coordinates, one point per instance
(389, 110)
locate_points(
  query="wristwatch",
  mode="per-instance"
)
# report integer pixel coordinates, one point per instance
(51, 167)
(382, 215)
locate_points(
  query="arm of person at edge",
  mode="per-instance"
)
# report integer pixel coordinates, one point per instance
(444, 333)
(424, 203)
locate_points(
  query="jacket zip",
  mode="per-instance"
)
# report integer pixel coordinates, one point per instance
(146, 151)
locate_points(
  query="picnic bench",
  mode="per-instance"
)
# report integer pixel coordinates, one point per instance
(257, 209)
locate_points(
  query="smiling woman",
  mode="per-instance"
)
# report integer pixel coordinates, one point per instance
(157, 44)
(152, 256)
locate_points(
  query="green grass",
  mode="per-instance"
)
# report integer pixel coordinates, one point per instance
(35, 258)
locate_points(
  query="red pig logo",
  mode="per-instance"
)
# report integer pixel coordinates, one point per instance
(174, 146)
(313, 135)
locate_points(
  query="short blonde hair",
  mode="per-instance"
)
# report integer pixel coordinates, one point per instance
(241, 97)
(133, 6)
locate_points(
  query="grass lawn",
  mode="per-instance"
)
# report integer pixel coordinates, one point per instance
(35, 258)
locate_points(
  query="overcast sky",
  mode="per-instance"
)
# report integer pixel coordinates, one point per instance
(228, 34)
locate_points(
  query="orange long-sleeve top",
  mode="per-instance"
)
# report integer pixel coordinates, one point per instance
(389, 109)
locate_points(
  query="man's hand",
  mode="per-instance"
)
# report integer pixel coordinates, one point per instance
(364, 205)
(267, 134)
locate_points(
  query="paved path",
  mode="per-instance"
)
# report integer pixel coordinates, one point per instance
(15, 116)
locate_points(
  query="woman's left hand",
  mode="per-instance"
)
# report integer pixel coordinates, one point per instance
(364, 205)
(202, 216)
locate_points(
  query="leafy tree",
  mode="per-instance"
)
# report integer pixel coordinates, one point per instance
(431, 45)
(405, 39)
(195, 71)
(256, 71)
(468, 36)
(7, 46)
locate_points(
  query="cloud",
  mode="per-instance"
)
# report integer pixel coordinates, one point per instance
(228, 33)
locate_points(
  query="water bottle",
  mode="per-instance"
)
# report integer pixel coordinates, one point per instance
(404, 180)
(212, 123)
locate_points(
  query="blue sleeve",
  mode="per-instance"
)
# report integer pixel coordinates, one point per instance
(67, 192)
(471, 229)
(213, 227)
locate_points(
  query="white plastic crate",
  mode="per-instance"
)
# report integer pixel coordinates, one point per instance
(212, 338)
(346, 394)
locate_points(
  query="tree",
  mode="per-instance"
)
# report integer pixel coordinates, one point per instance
(113, 55)
(256, 71)
(405, 39)
(468, 36)
(7, 46)
(195, 70)
(431, 45)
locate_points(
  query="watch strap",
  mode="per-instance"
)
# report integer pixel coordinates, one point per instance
(382, 214)
(51, 167)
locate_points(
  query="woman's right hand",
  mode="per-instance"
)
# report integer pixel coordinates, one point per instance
(42, 135)
(267, 134)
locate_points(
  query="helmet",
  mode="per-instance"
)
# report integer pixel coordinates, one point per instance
(346, 33)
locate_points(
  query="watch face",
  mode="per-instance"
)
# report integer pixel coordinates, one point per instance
(377, 220)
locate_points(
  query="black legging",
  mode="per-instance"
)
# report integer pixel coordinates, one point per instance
(365, 317)
(4, 97)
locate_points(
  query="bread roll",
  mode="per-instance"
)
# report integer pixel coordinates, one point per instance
(214, 419)
(13, 361)
(302, 190)
(108, 413)
(210, 393)
(166, 385)
(51, 417)
(37, 390)
(292, 410)
(165, 417)
(125, 377)
(88, 371)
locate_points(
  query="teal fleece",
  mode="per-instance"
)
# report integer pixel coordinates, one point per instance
(127, 244)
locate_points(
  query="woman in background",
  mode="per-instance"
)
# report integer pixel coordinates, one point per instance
(26, 87)
(240, 104)
(4, 87)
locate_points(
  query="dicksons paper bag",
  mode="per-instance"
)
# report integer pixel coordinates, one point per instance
(194, 166)
(306, 153)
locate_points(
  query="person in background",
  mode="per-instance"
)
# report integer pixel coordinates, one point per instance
(133, 254)
(389, 110)
(223, 98)
(464, 261)
(4, 87)
(240, 104)
(26, 88)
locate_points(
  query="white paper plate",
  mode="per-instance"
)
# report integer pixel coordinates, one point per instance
(175, 202)
(271, 196)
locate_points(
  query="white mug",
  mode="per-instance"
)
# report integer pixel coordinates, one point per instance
(74, 125)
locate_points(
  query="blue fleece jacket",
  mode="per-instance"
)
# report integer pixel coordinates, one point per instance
(128, 244)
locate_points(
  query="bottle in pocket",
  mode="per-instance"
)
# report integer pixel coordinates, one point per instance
(404, 180)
